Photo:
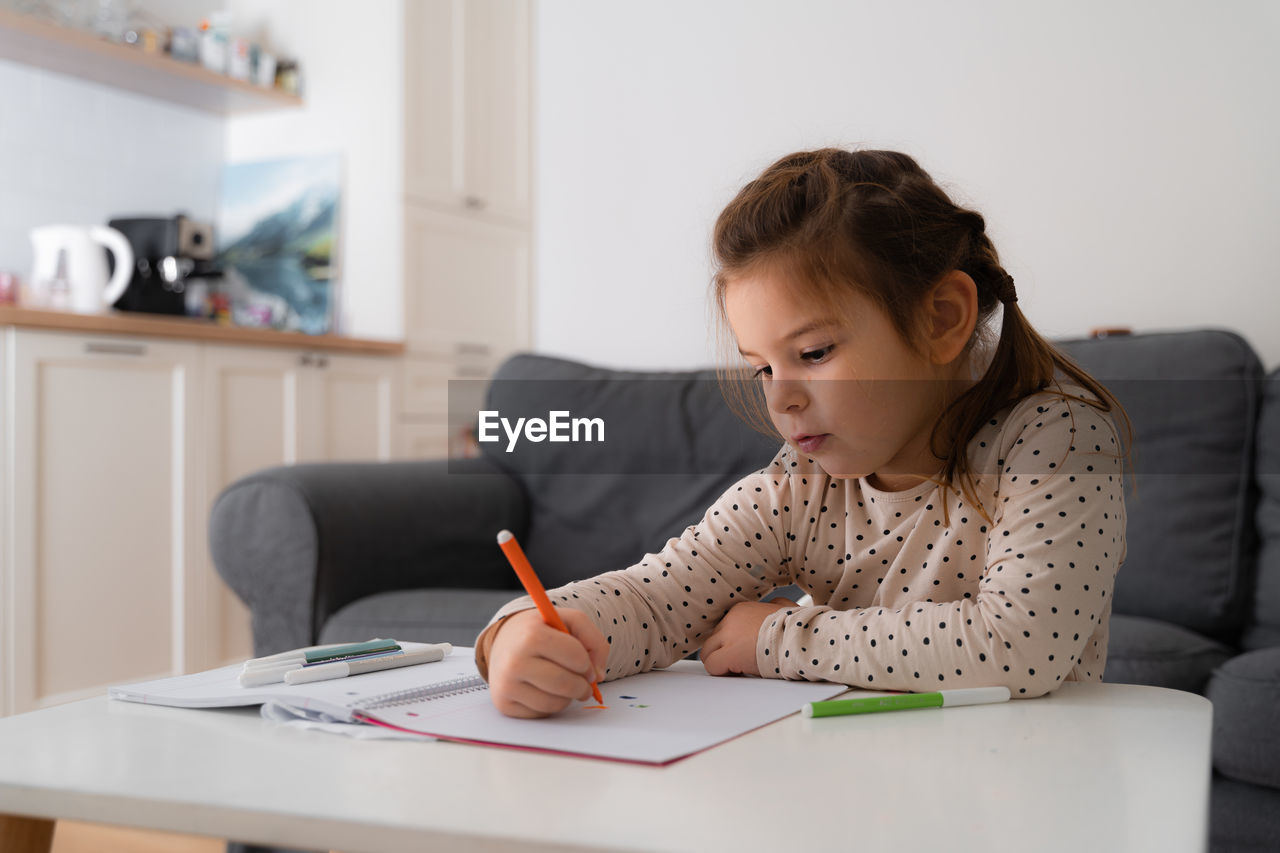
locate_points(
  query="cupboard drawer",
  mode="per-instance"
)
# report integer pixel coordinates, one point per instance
(422, 440)
(425, 385)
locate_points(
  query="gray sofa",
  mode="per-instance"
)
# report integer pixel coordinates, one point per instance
(333, 552)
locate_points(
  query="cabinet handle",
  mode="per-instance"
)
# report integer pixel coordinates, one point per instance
(473, 202)
(471, 349)
(103, 348)
(472, 373)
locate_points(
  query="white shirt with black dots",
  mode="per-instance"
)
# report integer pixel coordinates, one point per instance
(905, 596)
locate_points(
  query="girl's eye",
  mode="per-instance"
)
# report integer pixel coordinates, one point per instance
(815, 356)
(762, 372)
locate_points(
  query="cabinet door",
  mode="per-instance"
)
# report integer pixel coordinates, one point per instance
(466, 283)
(467, 105)
(433, 107)
(422, 440)
(107, 513)
(251, 399)
(440, 395)
(347, 410)
(251, 402)
(268, 407)
(496, 106)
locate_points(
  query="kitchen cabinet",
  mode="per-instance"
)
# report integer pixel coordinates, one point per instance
(424, 439)
(468, 207)
(348, 408)
(104, 546)
(440, 393)
(467, 106)
(270, 407)
(467, 284)
(467, 306)
(251, 404)
(114, 448)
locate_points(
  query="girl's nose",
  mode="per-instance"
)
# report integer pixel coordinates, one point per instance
(786, 395)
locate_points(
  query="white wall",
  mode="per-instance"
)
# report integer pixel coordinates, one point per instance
(1125, 154)
(350, 54)
(75, 152)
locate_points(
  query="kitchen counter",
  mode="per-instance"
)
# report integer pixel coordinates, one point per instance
(189, 328)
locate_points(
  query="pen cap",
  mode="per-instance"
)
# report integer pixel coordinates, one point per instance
(264, 675)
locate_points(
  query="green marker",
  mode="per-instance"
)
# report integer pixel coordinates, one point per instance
(905, 701)
(349, 650)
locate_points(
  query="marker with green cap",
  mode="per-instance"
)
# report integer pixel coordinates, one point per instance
(906, 701)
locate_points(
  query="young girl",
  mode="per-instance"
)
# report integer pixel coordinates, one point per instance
(953, 507)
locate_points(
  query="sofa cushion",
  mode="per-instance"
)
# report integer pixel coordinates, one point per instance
(1243, 818)
(1245, 692)
(672, 447)
(418, 615)
(1193, 399)
(1264, 628)
(1148, 651)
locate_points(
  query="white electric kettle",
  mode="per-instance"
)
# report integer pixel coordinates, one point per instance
(71, 256)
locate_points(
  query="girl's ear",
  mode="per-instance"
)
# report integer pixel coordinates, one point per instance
(951, 315)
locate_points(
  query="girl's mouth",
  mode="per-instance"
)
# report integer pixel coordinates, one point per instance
(809, 443)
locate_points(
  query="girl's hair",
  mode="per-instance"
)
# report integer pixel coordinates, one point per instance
(831, 221)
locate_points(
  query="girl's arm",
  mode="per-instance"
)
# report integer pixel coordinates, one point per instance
(662, 608)
(1041, 610)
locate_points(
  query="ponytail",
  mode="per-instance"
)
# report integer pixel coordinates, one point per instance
(1024, 363)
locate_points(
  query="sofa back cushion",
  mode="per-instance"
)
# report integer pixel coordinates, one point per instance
(1193, 399)
(671, 447)
(1264, 627)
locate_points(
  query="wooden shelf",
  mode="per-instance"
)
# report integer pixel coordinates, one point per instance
(79, 54)
(188, 328)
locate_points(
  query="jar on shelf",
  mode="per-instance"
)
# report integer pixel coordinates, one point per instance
(288, 77)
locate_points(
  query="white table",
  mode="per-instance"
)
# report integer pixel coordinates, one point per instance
(1090, 767)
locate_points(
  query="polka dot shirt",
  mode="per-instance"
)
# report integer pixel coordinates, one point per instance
(912, 590)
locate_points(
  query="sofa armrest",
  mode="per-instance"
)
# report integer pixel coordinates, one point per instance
(296, 543)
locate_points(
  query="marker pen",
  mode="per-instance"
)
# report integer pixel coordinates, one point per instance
(342, 669)
(907, 701)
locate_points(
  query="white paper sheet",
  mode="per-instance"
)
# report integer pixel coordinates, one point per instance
(652, 718)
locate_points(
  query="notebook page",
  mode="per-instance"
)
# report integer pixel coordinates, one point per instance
(652, 718)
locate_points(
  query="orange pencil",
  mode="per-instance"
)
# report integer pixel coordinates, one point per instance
(515, 555)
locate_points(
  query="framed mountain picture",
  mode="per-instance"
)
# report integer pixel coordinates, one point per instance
(278, 228)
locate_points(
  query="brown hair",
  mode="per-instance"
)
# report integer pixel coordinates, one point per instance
(877, 223)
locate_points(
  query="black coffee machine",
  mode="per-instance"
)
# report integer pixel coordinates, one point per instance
(169, 253)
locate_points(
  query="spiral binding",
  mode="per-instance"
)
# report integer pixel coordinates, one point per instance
(453, 687)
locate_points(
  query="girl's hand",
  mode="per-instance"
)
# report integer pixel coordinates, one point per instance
(536, 670)
(731, 648)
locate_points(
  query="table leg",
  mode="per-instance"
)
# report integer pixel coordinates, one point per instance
(25, 834)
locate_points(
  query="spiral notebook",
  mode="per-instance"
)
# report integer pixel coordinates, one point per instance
(652, 718)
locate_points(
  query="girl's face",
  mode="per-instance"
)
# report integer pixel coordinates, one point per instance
(855, 397)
